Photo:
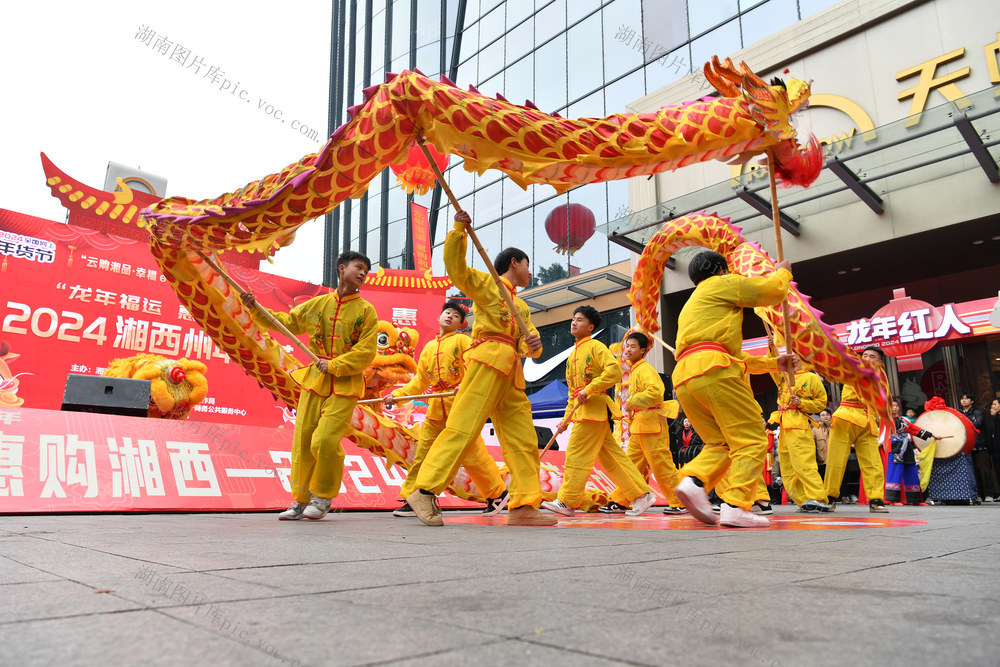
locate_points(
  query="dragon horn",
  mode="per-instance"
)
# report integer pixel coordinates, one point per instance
(754, 86)
(716, 74)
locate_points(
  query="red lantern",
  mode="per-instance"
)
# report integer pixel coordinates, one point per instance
(913, 324)
(416, 174)
(569, 226)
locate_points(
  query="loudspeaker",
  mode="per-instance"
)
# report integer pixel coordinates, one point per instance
(544, 434)
(106, 395)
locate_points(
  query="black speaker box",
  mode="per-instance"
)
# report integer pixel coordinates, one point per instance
(544, 434)
(106, 395)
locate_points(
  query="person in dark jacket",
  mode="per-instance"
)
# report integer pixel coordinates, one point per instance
(982, 462)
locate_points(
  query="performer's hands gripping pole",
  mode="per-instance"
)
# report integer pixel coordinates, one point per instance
(776, 218)
(250, 301)
(521, 324)
(559, 429)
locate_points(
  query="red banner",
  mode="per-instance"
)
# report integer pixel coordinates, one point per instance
(421, 237)
(74, 299)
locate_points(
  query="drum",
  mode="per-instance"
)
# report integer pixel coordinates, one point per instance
(946, 421)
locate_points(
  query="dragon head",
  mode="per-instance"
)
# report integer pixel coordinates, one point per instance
(771, 105)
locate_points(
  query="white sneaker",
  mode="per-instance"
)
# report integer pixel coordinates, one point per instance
(696, 500)
(318, 507)
(734, 517)
(293, 513)
(988, 499)
(641, 504)
(558, 507)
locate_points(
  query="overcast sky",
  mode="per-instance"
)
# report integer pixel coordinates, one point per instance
(79, 85)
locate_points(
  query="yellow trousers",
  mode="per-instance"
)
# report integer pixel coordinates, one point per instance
(591, 442)
(723, 412)
(482, 468)
(651, 451)
(842, 434)
(799, 472)
(760, 493)
(317, 457)
(486, 393)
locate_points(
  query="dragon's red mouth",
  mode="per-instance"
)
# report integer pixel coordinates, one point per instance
(796, 164)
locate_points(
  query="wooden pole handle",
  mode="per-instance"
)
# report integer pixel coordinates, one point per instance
(278, 326)
(776, 218)
(662, 342)
(564, 422)
(404, 399)
(521, 324)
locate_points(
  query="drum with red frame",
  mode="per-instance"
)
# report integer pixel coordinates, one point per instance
(947, 422)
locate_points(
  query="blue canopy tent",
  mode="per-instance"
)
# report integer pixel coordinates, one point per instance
(550, 400)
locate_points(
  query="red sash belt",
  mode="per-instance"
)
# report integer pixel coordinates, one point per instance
(852, 404)
(500, 338)
(701, 347)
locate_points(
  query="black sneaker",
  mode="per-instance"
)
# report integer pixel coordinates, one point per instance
(814, 506)
(405, 510)
(612, 508)
(717, 508)
(877, 506)
(496, 505)
(674, 511)
(762, 507)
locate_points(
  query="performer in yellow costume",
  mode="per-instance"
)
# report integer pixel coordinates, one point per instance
(441, 368)
(855, 424)
(796, 446)
(493, 387)
(343, 333)
(711, 381)
(643, 405)
(590, 371)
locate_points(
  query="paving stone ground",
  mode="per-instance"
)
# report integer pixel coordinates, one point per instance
(366, 588)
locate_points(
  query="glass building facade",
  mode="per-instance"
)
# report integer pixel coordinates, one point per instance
(576, 58)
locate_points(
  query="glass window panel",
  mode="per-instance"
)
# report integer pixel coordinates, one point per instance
(667, 68)
(720, 42)
(519, 83)
(468, 205)
(429, 59)
(378, 43)
(372, 249)
(400, 28)
(548, 265)
(397, 237)
(549, 21)
(448, 44)
(437, 261)
(517, 231)
(767, 19)
(810, 7)
(489, 237)
(749, 4)
(428, 23)
(374, 216)
(492, 86)
(517, 11)
(550, 75)
(705, 15)
(487, 6)
(467, 72)
(446, 218)
(471, 11)
(378, 75)
(586, 71)
(491, 60)
(594, 253)
(491, 26)
(378, 6)
(514, 198)
(400, 63)
(623, 92)
(520, 40)
(622, 37)
(459, 180)
(663, 26)
(577, 9)
(591, 106)
(397, 199)
(488, 203)
(470, 41)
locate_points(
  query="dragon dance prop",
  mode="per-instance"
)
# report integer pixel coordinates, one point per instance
(748, 118)
(812, 340)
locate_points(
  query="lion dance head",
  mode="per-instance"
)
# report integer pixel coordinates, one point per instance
(177, 385)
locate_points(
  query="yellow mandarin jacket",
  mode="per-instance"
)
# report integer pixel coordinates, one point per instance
(714, 314)
(342, 330)
(644, 398)
(496, 339)
(810, 390)
(592, 367)
(442, 367)
(857, 416)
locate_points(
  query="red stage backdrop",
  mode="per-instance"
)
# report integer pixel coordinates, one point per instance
(75, 298)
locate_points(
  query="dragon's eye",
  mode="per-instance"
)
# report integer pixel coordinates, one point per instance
(383, 339)
(404, 338)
